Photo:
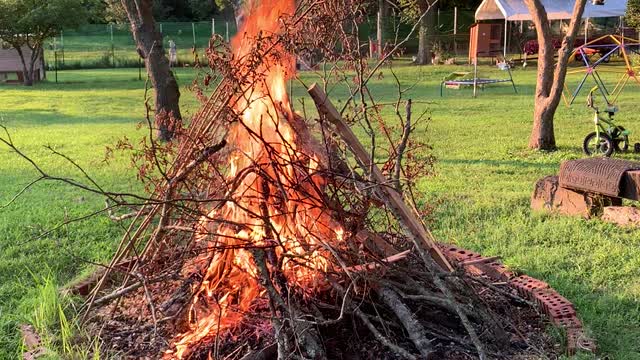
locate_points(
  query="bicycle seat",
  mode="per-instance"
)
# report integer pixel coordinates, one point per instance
(611, 109)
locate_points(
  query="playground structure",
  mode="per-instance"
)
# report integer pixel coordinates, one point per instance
(516, 11)
(605, 46)
(458, 79)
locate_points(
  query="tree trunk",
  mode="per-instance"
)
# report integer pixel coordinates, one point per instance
(423, 43)
(35, 52)
(542, 134)
(149, 42)
(551, 78)
(426, 23)
(380, 27)
(27, 77)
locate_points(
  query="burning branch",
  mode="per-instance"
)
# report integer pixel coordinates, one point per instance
(420, 236)
(261, 231)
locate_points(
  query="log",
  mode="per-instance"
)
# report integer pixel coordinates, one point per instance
(391, 197)
(405, 315)
(373, 265)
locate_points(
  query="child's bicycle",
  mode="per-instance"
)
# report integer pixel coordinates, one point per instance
(608, 136)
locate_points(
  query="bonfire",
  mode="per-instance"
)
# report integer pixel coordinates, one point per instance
(269, 234)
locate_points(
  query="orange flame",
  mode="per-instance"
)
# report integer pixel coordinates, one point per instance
(266, 146)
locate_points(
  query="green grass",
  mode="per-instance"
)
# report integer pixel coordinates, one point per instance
(484, 178)
(92, 46)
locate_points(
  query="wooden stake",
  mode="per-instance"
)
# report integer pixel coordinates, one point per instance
(393, 199)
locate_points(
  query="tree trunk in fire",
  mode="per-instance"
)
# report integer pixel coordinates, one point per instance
(149, 42)
(550, 77)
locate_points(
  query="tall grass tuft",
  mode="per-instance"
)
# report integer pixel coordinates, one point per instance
(50, 313)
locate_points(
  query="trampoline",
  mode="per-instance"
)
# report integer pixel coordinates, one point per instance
(456, 80)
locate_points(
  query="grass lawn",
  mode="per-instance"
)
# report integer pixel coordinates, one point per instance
(93, 45)
(481, 188)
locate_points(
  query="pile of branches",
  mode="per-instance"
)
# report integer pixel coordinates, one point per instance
(384, 291)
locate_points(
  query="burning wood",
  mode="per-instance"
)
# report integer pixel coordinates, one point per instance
(272, 240)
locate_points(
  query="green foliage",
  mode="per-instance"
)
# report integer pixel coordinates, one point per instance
(228, 5)
(632, 18)
(60, 336)
(31, 22)
(113, 12)
(165, 10)
(412, 9)
(202, 9)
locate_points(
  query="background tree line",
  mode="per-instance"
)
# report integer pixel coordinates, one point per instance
(106, 11)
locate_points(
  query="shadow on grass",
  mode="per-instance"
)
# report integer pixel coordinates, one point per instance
(517, 164)
(77, 83)
(19, 118)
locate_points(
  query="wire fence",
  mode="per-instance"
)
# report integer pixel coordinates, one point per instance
(448, 30)
(111, 45)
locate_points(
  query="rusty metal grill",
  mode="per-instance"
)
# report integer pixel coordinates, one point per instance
(595, 175)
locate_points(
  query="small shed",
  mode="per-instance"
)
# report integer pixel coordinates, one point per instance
(517, 10)
(10, 63)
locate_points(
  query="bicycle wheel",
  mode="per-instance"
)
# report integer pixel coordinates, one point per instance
(594, 146)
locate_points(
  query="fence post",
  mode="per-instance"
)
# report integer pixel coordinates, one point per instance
(380, 33)
(139, 68)
(213, 26)
(161, 30)
(62, 45)
(455, 31)
(55, 61)
(506, 37)
(193, 30)
(586, 30)
(113, 50)
(227, 34)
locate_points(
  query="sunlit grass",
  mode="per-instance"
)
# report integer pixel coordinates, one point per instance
(483, 180)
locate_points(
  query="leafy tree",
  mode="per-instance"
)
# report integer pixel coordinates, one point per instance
(202, 9)
(632, 17)
(29, 23)
(228, 4)
(114, 12)
(166, 10)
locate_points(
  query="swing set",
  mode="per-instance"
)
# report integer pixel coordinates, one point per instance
(606, 46)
